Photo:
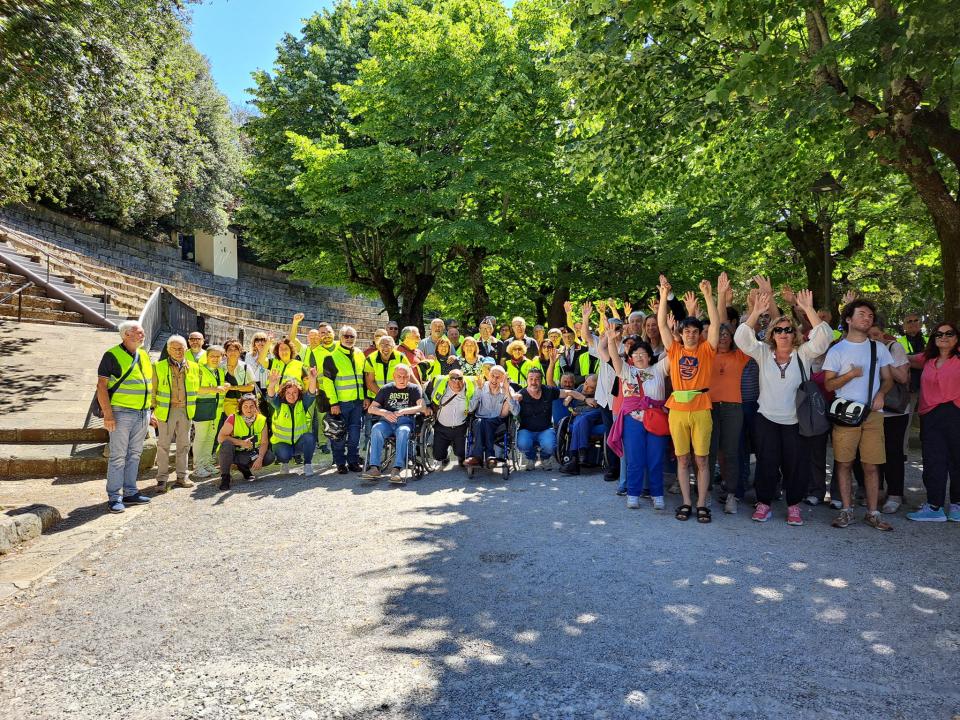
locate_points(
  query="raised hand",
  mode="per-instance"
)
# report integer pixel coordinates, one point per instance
(274, 377)
(312, 373)
(763, 301)
(848, 297)
(567, 307)
(788, 295)
(627, 309)
(587, 308)
(763, 283)
(665, 287)
(752, 299)
(691, 304)
(723, 285)
(654, 304)
(804, 300)
(671, 322)
(706, 287)
(298, 318)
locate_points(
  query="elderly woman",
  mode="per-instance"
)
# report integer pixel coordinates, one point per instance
(519, 364)
(244, 441)
(779, 446)
(292, 423)
(211, 390)
(940, 414)
(471, 361)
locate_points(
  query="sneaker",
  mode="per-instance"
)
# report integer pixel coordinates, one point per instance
(342, 469)
(610, 476)
(836, 504)
(396, 478)
(547, 464)
(247, 475)
(225, 483)
(202, 473)
(163, 486)
(874, 520)
(793, 515)
(730, 506)
(658, 502)
(372, 473)
(762, 513)
(491, 463)
(137, 499)
(472, 461)
(621, 493)
(116, 507)
(843, 519)
(185, 483)
(354, 467)
(572, 468)
(954, 514)
(645, 493)
(892, 504)
(308, 469)
(928, 514)
(674, 489)
(633, 502)
(285, 467)
(812, 500)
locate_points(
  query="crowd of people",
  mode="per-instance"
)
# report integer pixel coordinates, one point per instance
(683, 392)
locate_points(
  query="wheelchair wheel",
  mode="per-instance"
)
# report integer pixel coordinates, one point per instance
(562, 453)
(389, 452)
(514, 456)
(424, 449)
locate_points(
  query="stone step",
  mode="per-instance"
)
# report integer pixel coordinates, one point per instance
(12, 468)
(9, 309)
(35, 302)
(50, 436)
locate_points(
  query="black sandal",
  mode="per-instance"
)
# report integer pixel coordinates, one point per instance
(703, 515)
(683, 512)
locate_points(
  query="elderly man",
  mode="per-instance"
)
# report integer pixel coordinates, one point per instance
(453, 334)
(428, 346)
(519, 326)
(409, 348)
(634, 324)
(393, 330)
(175, 385)
(395, 404)
(196, 355)
(343, 385)
(494, 403)
(124, 381)
(490, 345)
(452, 398)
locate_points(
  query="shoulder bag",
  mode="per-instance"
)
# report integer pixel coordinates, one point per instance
(898, 399)
(848, 413)
(811, 406)
(95, 409)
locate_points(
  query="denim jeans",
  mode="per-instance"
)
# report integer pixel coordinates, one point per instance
(483, 435)
(348, 450)
(529, 440)
(305, 445)
(643, 454)
(402, 430)
(126, 447)
(582, 427)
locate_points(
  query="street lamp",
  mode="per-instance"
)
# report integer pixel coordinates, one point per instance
(826, 184)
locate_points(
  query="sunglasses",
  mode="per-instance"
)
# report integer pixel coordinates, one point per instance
(783, 331)
(944, 334)
(456, 378)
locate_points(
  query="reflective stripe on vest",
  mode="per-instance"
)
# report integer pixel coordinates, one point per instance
(134, 392)
(288, 430)
(348, 384)
(382, 374)
(440, 387)
(191, 382)
(242, 430)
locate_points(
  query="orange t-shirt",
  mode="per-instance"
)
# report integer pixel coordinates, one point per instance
(691, 370)
(727, 369)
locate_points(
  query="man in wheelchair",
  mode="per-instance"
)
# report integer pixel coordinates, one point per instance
(494, 403)
(587, 422)
(452, 398)
(397, 403)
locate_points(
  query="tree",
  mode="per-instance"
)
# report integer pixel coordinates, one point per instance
(877, 78)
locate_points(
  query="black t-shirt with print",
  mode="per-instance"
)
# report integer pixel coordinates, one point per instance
(392, 398)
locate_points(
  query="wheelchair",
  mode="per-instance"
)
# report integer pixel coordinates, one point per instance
(504, 444)
(596, 455)
(420, 460)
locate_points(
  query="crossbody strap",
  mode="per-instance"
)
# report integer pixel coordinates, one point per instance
(873, 368)
(113, 388)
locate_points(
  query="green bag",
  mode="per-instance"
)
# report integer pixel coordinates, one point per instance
(206, 409)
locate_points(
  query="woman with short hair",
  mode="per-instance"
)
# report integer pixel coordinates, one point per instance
(206, 418)
(244, 441)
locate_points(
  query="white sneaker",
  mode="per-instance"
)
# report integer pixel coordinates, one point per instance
(547, 463)
(658, 502)
(836, 504)
(812, 500)
(202, 473)
(529, 463)
(308, 469)
(892, 504)
(285, 467)
(730, 506)
(633, 502)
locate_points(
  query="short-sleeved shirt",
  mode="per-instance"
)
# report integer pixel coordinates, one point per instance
(845, 354)
(727, 369)
(392, 398)
(536, 414)
(110, 366)
(691, 370)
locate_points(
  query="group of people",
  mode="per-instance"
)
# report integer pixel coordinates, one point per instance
(676, 391)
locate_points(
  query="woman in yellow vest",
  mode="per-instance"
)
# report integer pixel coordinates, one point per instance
(244, 442)
(285, 362)
(292, 419)
(518, 365)
(211, 390)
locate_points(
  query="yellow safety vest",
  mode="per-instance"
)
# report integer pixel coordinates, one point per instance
(348, 384)
(286, 429)
(191, 381)
(440, 387)
(518, 375)
(134, 392)
(382, 374)
(292, 370)
(209, 378)
(242, 430)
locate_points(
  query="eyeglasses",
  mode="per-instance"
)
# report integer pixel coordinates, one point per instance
(456, 378)
(349, 337)
(783, 331)
(944, 334)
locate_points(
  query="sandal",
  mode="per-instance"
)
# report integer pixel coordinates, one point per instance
(683, 512)
(703, 515)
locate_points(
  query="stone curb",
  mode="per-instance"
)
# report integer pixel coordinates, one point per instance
(26, 523)
(12, 468)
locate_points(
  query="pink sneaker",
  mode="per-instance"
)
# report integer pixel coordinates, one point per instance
(793, 515)
(762, 513)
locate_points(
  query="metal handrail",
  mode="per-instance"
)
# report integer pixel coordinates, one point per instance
(105, 291)
(19, 293)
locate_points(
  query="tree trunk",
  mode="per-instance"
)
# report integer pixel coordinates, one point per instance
(807, 239)
(557, 316)
(480, 304)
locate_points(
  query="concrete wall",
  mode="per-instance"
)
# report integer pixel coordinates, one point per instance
(217, 253)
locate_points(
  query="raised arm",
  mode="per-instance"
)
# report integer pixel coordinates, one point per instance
(613, 351)
(294, 327)
(666, 336)
(713, 334)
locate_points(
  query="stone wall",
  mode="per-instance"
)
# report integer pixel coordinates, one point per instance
(270, 295)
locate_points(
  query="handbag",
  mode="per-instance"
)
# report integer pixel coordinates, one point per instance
(811, 406)
(898, 399)
(848, 413)
(95, 409)
(656, 422)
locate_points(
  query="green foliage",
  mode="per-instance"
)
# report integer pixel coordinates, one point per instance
(106, 108)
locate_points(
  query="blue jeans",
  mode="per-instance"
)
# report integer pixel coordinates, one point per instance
(306, 445)
(643, 454)
(348, 450)
(126, 447)
(484, 433)
(582, 427)
(528, 440)
(383, 430)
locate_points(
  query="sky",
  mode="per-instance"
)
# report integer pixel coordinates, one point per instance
(240, 36)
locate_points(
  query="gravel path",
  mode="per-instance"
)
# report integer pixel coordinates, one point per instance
(539, 597)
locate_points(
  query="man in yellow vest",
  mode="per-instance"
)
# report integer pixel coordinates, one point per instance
(343, 385)
(196, 355)
(175, 384)
(124, 380)
(452, 398)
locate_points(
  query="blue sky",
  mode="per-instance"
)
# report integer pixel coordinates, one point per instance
(240, 36)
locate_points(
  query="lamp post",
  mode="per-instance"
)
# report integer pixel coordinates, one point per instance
(826, 184)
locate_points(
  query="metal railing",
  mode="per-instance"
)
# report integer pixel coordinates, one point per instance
(25, 240)
(19, 293)
(151, 318)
